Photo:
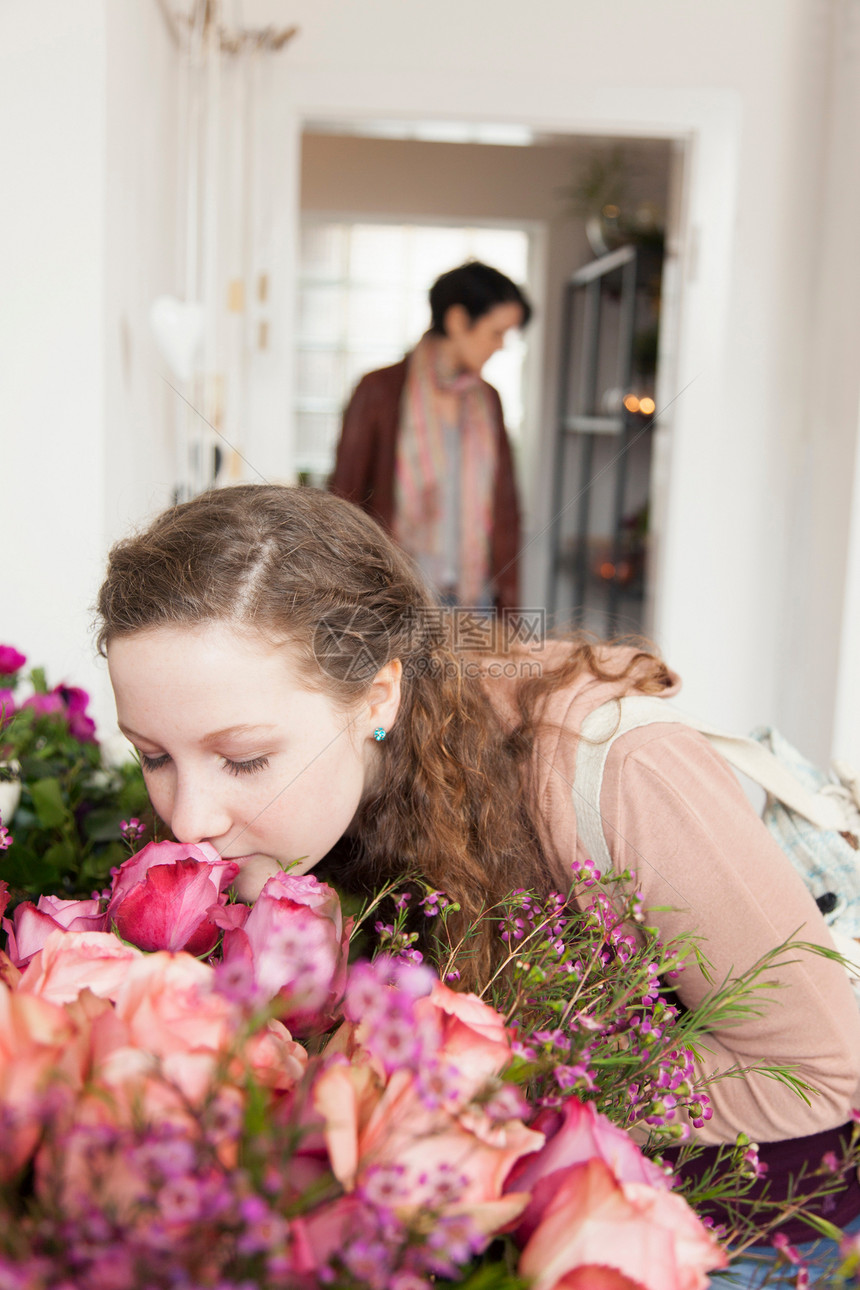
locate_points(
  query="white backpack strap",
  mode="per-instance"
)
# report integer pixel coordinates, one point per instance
(617, 717)
(597, 734)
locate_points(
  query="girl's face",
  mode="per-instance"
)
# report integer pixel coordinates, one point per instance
(237, 751)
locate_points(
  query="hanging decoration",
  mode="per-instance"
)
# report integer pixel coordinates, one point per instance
(177, 326)
(209, 335)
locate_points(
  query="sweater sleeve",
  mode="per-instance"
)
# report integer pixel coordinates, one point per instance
(506, 521)
(676, 816)
(353, 472)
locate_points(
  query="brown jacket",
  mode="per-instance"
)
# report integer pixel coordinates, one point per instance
(364, 470)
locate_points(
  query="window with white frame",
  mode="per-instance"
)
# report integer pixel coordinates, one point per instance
(362, 303)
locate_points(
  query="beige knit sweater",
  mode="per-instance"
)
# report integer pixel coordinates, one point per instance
(675, 814)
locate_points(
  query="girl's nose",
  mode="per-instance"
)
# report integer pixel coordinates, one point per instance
(199, 813)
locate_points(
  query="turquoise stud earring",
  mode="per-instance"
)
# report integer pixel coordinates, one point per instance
(379, 734)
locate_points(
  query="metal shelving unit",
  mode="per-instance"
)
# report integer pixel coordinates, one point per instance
(598, 543)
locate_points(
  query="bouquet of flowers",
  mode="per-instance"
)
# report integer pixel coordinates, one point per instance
(269, 1115)
(198, 1093)
(66, 800)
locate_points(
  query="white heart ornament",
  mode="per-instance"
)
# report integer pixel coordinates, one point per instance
(178, 327)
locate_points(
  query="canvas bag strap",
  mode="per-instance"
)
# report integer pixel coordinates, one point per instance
(611, 720)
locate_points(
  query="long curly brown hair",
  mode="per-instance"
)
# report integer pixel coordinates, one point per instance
(455, 801)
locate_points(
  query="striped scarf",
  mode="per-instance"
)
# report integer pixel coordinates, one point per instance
(422, 469)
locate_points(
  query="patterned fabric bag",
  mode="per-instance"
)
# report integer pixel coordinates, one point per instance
(814, 816)
(828, 860)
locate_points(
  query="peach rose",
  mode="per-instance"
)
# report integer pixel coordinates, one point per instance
(274, 1057)
(37, 1040)
(367, 1125)
(73, 961)
(169, 1005)
(472, 1035)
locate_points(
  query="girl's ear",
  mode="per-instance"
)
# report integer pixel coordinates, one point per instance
(384, 697)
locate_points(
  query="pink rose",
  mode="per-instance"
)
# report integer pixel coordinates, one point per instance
(319, 1234)
(31, 925)
(594, 1222)
(574, 1135)
(11, 660)
(7, 705)
(296, 943)
(592, 1278)
(164, 898)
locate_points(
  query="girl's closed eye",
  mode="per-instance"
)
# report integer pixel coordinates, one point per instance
(248, 767)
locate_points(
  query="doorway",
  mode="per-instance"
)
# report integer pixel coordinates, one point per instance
(366, 175)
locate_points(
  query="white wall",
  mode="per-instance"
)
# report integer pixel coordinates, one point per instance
(52, 343)
(828, 485)
(87, 137)
(141, 260)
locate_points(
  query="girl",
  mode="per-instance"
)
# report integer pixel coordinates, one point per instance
(291, 687)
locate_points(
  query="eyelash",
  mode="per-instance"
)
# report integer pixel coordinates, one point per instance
(249, 767)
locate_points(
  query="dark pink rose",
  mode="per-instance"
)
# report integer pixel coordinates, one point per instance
(75, 699)
(76, 702)
(31, 925)
(574, 1135)
(166, 897)
(295, 940)
(11, 660)
(82, 727)
(70, 702)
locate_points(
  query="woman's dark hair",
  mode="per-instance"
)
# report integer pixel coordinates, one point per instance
(478, 288)
(455, 800)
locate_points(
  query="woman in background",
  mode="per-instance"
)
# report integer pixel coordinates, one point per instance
(424, 448)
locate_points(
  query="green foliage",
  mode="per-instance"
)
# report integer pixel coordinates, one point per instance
(66, 828)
